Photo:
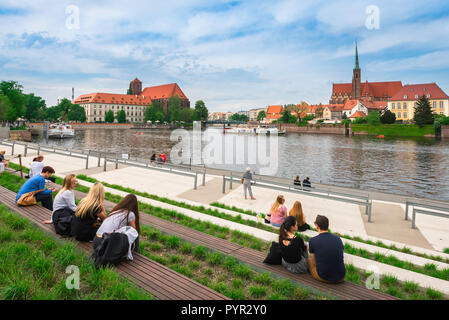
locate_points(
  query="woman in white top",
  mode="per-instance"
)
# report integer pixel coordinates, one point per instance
(65, 199)
(36, 166)
(125, 213)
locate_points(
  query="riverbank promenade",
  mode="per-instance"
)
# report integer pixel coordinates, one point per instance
(430, 237)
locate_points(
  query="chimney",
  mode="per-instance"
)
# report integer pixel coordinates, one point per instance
(73, 93)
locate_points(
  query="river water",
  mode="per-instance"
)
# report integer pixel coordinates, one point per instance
(413, 167)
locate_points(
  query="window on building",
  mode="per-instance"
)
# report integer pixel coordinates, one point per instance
(404, 105)
(405, 97)
(434, 104)
(405, 115)
(441, 105)
(428, 95)
(392, 106)
(416, 96)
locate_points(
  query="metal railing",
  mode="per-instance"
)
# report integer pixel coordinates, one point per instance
(428, 208)
(362, 200)
(113, 158)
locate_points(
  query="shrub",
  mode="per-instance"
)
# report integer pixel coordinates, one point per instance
(257, 291)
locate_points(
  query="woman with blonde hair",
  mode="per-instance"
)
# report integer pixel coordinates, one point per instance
(89, 214)
(64, 203)
(278, 212)
(296, 211)
(2, 159)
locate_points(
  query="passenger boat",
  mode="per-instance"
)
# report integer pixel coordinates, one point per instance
(255, 131)
(61, 130)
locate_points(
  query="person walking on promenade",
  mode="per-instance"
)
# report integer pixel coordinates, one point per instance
(326, 262)
(306, 183)
(247, 178)
(297, 213)
(38, 183)
(293, 249)
(65, 199)
(278, 212)
(88, 214)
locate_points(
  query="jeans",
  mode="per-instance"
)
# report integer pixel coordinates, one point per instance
(45, 199)
(247, 186)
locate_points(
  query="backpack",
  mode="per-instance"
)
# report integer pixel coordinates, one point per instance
(112, 249)
(62, 221)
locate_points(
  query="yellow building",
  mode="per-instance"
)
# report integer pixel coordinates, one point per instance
(402, 104)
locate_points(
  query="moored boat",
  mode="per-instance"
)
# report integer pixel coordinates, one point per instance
(61, 130)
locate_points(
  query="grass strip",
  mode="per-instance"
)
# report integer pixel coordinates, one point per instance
(34, 267)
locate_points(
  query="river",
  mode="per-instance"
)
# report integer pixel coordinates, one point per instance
(413, 167)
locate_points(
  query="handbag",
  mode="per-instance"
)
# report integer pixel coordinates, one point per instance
(28, 199)
(241, 180)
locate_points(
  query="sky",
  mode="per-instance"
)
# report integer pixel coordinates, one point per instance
(233, 55)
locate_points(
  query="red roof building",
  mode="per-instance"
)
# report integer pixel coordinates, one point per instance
(412, 92)
(274, 113)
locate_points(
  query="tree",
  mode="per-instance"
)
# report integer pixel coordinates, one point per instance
(373, 118)
(13, 91)
(319, 111)
(423, 112)
(160, 116)
(5, 105)
(173, 109)
(65, 106)
(158, 106)
(121, 116)
(388, 117)
(239, 117)
(129, 91)
(186, 115)
(76, 113)
(261, 115)
(35, 107)
(53, 113)
(344, 116)
(109, 116)
(150, 114)
(201, 111)
(286, 116)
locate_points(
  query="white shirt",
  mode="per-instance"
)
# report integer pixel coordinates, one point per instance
(63, 200)
(115, 222)
(36, 168)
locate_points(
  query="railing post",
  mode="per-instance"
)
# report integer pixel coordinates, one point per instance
(370, 211)
(224, 184)
(406, 209)
(99, 159)
(204, 178)
(413, 218)
(230, 181)
(116, 162)
(12, 149)
(26, 150)
(87, 162)
(38, 149)
(196, 180)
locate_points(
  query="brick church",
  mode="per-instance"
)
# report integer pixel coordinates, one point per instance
(366, 91)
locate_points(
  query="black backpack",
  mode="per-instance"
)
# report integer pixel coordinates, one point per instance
(62, 221)
(111, 250)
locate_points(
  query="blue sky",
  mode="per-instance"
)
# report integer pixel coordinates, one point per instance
(232, 54)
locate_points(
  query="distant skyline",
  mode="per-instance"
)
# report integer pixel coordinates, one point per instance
(234, 55)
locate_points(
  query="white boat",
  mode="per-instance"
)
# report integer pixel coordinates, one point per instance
(61, 130)
(258, 130)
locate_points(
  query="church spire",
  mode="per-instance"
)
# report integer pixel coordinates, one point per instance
(356, 57)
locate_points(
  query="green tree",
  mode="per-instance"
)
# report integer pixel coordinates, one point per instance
(35, 107)
(239, 117)
(13, 90)
(173, 108)
(261, 115)
(186, 115)
(319, 112)
(121, 116)
(65, 106)
(158, 106)
(150, 114)
(5, 105)
(373, 118)
(53, 113)
(160, 116)
(344, 116)
(286, 116)
(109, 116)
(129, 91)
(388, 117)
(201, 111)
(423, 112)
(76, 113)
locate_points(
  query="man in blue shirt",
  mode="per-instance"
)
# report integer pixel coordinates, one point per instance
(326, 254)
(38, 183)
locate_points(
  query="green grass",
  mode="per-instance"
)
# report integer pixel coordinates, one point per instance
(394, 130)
(33, 266)
(446, 250)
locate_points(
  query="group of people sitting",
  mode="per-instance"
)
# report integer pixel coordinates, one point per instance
(159, 159)
(324, 256)
(88, 220)
(3, 162)
(305, 183)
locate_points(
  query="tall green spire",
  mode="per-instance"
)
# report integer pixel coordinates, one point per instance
(356, 57)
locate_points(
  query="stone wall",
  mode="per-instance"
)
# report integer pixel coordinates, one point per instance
(4, 132)
(20, 135)
(323, 128)
(39, 126)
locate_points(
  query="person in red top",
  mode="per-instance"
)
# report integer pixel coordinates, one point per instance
(163, 157)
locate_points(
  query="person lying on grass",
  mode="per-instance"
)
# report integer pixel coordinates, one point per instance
(89, 214)
(38, 183)
(65, 199)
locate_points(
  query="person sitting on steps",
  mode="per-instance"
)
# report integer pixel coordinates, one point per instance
(293, 249)
(65, 199)
(278, 212)
(326, 261)
(38, 183)
(89, 214)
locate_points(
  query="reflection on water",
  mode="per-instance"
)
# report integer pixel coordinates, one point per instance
(415, 167)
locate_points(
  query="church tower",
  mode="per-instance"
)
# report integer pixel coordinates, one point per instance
(356, 92)
(135, 87)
